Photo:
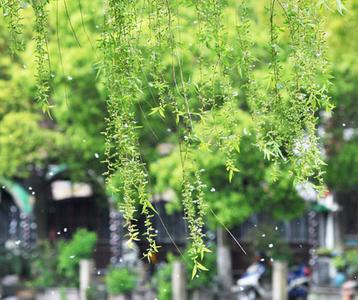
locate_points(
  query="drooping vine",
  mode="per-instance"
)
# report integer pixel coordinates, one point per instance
(308, 87)
(12, 14)
(195, 209)
(43, 74)
(212, 35)
(159, 40)
(172, 93)
(192, 186)
(285, 115)
(122, 64)
(297, 97)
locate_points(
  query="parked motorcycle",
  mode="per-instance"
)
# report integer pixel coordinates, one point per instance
(252, 284)
(299, 283)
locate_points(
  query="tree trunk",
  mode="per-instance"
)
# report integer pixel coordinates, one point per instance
(41, 189)
(224, 264)
(339, 228)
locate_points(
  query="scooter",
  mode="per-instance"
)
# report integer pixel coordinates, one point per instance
(251, 285)
(299, 283)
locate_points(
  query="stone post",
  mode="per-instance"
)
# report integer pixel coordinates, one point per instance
(86, 271)
(279, 281)
(224, 264)
(179, 281)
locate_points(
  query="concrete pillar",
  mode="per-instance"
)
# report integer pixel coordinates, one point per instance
(279, 281)
(224, 264)
(179, 281)
(86, 271)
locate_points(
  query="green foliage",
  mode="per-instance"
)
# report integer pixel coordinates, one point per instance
(341, 150)
(11, 261)
(70, 253)
(204, 278)
(122, 66)
(193, 195)
(339, 262)
(324, 251)
(42, 55)
(120, 281)
(24, 142)
(348, 261)
(283, 116)
(12, 12)
(270, 242)
(298, 87)
(339, 5)
(352, 262)
(94, 292)
(44, 267)
(163, 281)
(257, 188)
(76, 125)
(340, 173)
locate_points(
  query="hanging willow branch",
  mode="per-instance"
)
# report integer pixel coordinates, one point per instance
(309, 86)
(12, 13)
(42, 55)
(158, 42)
(195, 209)
(122, 64)
(297, 98)
(285, 116)
(212, 35)
(177, 99)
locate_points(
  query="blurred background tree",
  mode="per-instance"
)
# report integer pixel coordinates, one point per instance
(32, 141)
(341, 137)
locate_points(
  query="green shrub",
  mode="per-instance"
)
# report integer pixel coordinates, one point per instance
(324, 252)
(347, 262)
(70, 253)
(163, 283)
(44, 267)
(339, 262)
(120, 281)
(11, 262)
(352, 262)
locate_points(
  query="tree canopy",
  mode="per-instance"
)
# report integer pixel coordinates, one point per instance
(72, 134)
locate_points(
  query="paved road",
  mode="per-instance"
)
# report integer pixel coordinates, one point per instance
(325, 293)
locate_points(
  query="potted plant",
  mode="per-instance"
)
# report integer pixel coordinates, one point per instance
(340, 264)
(324, 252)
(120, 282)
